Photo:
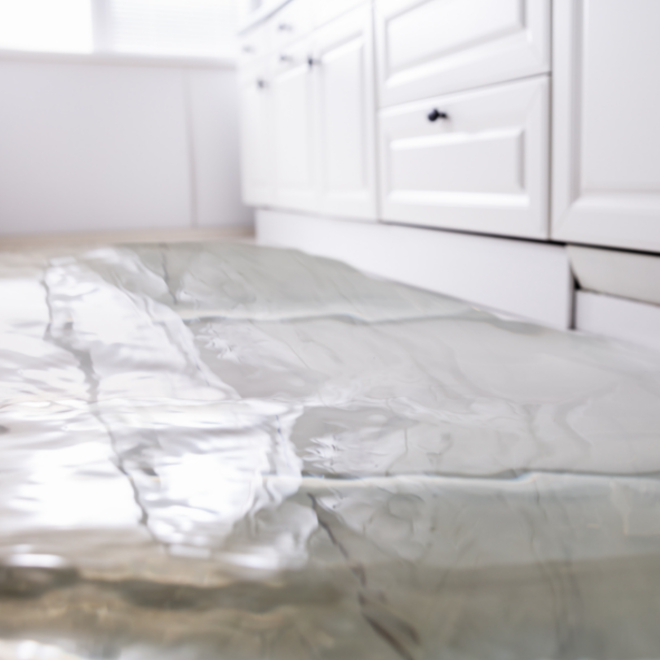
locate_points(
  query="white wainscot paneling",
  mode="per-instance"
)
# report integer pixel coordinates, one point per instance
(92, 147)
(628, 320)
(215, 144)
(528, 279)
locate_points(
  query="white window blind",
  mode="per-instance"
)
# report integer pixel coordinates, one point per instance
(188, 28)
(46, 25)
(172, 27)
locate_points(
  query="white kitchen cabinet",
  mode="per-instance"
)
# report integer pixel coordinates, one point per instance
(256, 135)
(606, 133)
(253, 45)
(345, 110)
(294, 21)
(293, 128)
(475, 161)
(431, 47)
(327, 10)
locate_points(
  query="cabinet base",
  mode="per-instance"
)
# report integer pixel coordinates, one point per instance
(523, 278)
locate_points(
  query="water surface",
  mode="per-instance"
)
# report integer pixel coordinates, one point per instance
(229, 452)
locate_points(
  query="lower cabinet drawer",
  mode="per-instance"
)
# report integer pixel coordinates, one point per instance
(475, 161)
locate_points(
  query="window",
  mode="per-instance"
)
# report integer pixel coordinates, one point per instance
(49, 25)
(173, 27)
(189, 28)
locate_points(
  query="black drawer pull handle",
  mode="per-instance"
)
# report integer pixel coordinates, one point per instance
(285, 27)
(436, 114)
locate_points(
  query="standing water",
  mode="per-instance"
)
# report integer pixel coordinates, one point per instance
(236, 453)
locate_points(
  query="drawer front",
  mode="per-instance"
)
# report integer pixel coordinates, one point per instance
(431, 47)
(254, 45)
(293, 21)
(292, 124)
(327, 10)
(476, 161)
(256, 134)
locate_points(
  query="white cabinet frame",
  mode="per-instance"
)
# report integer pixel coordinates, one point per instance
(586, 210)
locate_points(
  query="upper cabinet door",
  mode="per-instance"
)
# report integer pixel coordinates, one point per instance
(345, 98)
(430, 47)
(606, 169)
(293, 127)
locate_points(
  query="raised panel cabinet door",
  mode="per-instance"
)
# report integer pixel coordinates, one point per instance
(256, 142)
(476, 161)
(606, 132)
(293, 122)
(431, 47)
(344, 83)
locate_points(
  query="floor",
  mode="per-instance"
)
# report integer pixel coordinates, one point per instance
(217, 450)
(78, 240)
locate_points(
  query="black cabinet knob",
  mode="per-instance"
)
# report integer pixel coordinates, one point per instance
(436, 114)
(261, 83)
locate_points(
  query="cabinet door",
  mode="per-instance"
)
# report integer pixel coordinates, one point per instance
(475, 160)
(343, 59)
(292, 91)
(256, 143)
(431, 47)
(606, 134)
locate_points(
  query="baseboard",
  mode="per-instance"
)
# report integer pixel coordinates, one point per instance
(524, 278)
(629, 320)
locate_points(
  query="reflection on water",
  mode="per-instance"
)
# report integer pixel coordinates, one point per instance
(231, 452)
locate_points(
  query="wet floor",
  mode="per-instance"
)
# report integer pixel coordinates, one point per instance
(229, 452)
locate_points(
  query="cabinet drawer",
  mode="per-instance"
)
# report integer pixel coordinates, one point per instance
(327, 10)
(254, 45)
(482, 168)
(430, 47)
(293, 21)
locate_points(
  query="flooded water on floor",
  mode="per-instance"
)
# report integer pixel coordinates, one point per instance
(230, 452)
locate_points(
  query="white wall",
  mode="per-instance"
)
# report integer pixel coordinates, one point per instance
(89, 146)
